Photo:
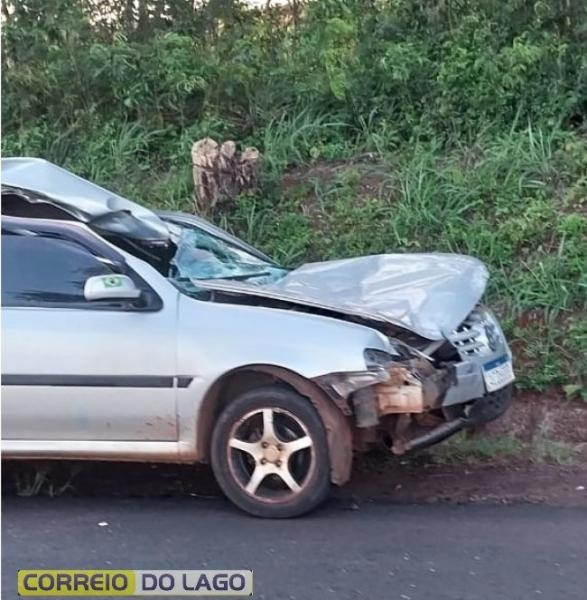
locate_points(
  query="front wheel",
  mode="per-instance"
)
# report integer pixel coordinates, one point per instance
(270, 453)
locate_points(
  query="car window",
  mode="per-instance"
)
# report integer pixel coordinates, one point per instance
(40, 270)
(14, 205)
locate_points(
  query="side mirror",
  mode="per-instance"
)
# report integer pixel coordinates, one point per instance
(111, 287)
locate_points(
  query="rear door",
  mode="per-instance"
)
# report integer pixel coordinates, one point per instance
(79, 370)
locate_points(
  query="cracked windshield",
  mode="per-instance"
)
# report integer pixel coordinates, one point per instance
(201, 255)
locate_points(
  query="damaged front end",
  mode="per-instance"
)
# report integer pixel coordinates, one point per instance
(414, 400)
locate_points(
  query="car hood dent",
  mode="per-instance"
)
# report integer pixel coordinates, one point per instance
(429, 294)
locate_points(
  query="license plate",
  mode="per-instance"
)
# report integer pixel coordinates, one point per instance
(498, 373)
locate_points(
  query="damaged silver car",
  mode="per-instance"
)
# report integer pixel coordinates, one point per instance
(134, 335)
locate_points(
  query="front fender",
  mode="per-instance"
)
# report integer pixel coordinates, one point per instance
(216, 338)
(338, 426)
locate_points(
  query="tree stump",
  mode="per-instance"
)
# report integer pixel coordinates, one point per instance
(221, 173)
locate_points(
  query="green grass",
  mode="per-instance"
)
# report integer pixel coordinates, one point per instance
(34, 481)
(301, 137)
(462, 449)
(518, 202)
(466, 450)
(553, 451)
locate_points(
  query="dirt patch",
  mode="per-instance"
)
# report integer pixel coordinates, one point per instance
(319, 190)
(370, 171)
(536, 453)
(417, 479)
(367, 177)
(547, 415)
(422, 479)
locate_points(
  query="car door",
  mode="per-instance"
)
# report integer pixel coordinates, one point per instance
(74, 369)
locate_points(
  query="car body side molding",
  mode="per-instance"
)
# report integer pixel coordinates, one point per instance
(118, 381)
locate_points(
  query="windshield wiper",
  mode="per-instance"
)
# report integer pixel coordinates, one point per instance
(239, 276)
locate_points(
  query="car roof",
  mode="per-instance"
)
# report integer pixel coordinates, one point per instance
(38, 181)
(84, 199)
(52, 227)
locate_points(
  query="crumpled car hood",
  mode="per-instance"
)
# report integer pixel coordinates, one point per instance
(429, 294)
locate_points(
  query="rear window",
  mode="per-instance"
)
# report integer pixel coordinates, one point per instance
(14, 205)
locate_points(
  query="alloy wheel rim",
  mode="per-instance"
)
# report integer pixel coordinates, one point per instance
(271, 455)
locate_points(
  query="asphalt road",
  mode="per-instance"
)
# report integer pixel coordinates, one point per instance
(378, 551)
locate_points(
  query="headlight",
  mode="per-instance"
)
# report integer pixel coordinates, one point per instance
(376, 364)
(351, 382)
(344, 384)
(493, 333)
(379, 358)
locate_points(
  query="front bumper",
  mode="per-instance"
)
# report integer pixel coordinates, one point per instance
(422, 403)
(406, 437)
(489, 407)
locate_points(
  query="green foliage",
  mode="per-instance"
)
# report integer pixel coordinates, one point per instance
(433, 70)
(502, 199)
(470, 450)
(473, 450)
(398, 125)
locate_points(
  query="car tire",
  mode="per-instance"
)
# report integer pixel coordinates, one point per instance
(269, 453)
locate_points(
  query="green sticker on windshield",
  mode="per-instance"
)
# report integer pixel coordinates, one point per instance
(112, 282)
